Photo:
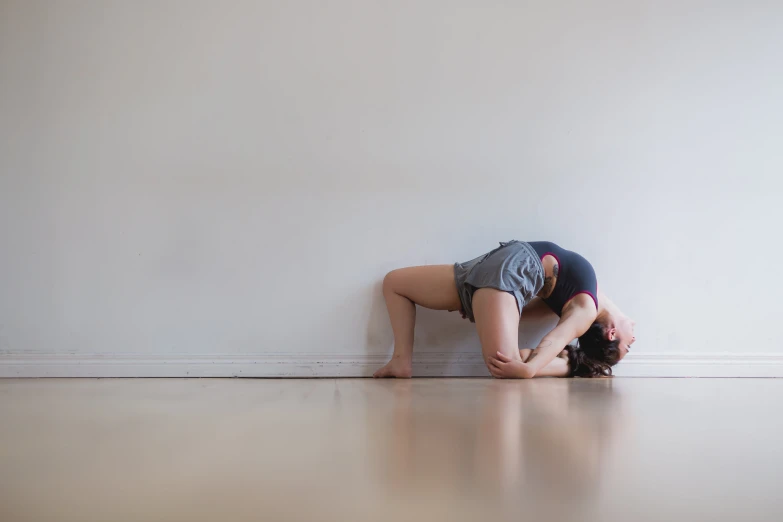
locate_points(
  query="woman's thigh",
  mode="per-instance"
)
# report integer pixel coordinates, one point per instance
(429, 286)
(497, 322)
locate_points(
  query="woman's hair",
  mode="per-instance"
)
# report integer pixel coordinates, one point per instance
(595, 354)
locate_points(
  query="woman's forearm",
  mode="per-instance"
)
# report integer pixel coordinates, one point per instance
(545, 353)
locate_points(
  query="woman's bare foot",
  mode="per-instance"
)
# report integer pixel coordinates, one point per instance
(397, 367)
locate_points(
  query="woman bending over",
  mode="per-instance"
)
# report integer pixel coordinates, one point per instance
(493, 290)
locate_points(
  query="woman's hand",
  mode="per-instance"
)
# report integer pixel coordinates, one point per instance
(502, 366)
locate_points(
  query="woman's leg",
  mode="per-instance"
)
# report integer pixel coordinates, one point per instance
(497, 322)
(403, 289)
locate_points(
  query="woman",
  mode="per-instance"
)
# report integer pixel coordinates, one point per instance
(493, 290)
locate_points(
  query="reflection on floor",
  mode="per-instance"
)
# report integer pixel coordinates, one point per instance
(426, 449)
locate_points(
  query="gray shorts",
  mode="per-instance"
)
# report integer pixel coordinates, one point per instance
(513, 267)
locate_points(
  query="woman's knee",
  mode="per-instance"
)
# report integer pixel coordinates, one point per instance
(489, 350)
(391, 280)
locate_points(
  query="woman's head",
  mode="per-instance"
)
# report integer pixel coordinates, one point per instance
(600, 348)
(622, 330)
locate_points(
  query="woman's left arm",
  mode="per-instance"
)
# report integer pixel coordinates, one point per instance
(574, 323)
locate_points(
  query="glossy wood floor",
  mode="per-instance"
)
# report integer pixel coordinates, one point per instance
(426, 449)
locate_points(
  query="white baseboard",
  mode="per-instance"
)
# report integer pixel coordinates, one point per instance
(258, 365)
(446, 364)
(701, 365)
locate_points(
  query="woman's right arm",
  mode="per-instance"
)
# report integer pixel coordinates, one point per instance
(557, 368)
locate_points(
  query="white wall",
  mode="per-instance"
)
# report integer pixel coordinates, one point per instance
(233, 179)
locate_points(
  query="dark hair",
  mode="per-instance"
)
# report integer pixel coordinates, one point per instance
(595, 354)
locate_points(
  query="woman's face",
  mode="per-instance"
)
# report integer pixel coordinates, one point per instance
(623, 331)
